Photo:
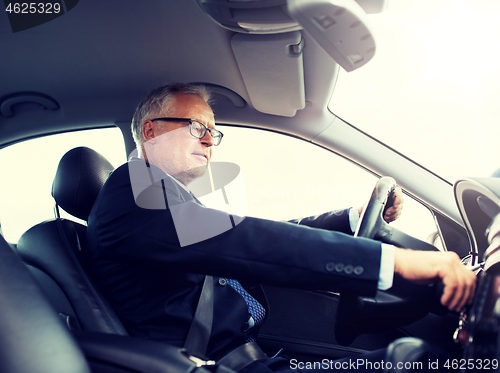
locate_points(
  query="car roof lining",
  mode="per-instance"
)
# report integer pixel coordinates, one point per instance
(75, 63)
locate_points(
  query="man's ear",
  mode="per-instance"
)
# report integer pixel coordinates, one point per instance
(148, 130)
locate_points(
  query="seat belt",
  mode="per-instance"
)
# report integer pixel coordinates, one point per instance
(201, 329)
(243, 356)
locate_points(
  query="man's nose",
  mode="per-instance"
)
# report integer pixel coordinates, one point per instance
(207, 140)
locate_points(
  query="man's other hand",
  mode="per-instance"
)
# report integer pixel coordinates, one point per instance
(426, 267)
(395, 210)
(392, 212)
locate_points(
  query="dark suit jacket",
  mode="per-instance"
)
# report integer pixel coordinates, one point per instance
(153, 282)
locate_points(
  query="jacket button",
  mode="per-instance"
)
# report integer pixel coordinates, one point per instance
(339, 267)
(330, 266)
(348, 269)
(358, 270)
(222, 281)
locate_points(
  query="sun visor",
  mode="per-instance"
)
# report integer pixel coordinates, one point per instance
(272, 69)
(340, 27)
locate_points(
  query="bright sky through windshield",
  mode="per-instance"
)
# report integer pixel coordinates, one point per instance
(432, 91)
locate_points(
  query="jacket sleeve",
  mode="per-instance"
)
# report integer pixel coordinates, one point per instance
(334, 221)
(250, 249)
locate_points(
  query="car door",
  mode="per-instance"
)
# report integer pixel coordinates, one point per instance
(286, 178)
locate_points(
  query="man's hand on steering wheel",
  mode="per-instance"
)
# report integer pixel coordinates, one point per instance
(394, 211)
(423, 264)
(426, 267)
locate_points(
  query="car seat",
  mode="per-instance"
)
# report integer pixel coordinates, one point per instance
(54, 250)
(32, 338)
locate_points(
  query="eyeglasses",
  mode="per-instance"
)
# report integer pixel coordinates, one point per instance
(196, 128)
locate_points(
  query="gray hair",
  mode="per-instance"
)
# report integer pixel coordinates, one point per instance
(160, 99)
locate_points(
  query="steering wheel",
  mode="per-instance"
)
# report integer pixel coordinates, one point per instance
(371, 220)
(405, 302)
(372, 223)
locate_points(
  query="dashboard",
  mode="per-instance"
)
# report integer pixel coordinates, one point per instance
(478, 200)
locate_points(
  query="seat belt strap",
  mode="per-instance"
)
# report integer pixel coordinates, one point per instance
(243, 356)
(201, 327)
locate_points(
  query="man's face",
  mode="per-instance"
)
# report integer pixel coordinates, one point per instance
(170, 145)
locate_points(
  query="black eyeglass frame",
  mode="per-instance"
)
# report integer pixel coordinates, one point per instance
(211, 131)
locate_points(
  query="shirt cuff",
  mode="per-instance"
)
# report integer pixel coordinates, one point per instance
(353, 218)
(386, 275)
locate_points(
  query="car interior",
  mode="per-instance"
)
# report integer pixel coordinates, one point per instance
(271, 65)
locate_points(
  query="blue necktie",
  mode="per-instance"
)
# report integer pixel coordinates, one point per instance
(255, 309)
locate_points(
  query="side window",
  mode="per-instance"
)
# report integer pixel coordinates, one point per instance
(287, 178)
(28, 169)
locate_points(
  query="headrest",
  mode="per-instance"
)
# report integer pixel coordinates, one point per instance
(79, 178)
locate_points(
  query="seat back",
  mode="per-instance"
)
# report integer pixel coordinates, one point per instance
(54, 251)
(31, 337)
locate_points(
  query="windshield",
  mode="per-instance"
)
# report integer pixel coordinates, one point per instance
(432, 91)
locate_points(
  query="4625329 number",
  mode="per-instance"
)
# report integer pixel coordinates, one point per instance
(471, 364)
(33, 8)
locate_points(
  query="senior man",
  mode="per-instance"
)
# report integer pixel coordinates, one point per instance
(172, 279)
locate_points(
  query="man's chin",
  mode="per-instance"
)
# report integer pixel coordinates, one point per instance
(190, 175)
